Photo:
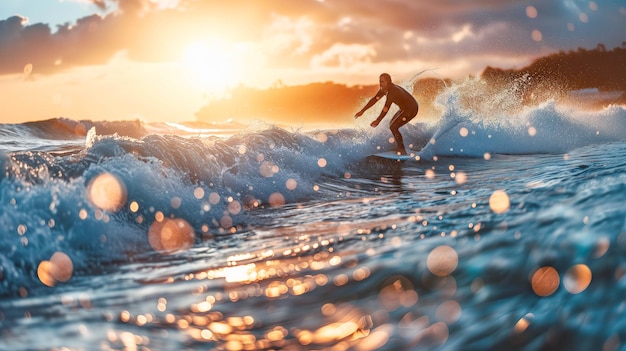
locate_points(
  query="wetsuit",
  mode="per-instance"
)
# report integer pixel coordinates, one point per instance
(408, 109)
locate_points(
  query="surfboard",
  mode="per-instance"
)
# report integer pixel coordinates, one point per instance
(392, 155)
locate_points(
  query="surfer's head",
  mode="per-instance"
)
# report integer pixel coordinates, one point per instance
(385, 81)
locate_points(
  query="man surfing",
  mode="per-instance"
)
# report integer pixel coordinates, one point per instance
(396, 95)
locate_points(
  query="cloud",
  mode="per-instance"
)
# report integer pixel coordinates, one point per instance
(85, 43)
(101, 4)
(291, 36)
(344, 56)
(19, 44)
(92, 40)
(310, 33)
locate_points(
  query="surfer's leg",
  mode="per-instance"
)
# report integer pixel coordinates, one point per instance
(398, 121)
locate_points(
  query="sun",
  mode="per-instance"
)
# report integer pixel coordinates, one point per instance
(212, 66)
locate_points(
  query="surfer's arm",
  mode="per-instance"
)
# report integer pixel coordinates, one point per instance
(382, 115)
(366, 107)
(369, 104)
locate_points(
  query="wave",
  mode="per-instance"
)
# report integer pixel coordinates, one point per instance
(187, 178)
(99, 204)
(478, 122)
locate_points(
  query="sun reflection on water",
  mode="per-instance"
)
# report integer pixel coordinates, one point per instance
(279, 277)
(255, 300)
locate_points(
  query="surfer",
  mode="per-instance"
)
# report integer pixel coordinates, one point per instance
(396, 95)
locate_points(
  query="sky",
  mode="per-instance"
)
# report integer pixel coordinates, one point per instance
(162, 60)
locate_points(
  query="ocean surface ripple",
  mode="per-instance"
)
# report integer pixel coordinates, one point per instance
(504, 232)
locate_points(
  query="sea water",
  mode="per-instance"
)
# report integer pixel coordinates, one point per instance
(507, 231)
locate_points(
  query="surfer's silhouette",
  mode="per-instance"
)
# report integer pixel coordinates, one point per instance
(396, 95)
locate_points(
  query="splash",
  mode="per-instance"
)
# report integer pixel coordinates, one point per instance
(409, 84)
(480, 120)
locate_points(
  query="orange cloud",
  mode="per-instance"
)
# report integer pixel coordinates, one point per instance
(299, 33)
(298, 42)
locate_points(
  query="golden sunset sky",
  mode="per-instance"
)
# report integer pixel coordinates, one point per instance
(162, 60)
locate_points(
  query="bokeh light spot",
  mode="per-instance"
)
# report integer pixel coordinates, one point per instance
(545, 281)
(234, 208)
(377, 339)
(176, 202)
(107, 192)
(198, 193)
(58, 269)
(577, 278)
(442, 260)
(499, 202)
(62, 266)
(171, 235)
(321, 137)
(214, 198)
(602, 247)
(335, 331)
(448, 312)
(82, 214)
(531, 12)
(276, 200)
(44, 272)
(397, 293)
(268, 169)
(460, 178)
(159, 216)
(226, 221)
(329, 309)
(291, 184)
(523, 323)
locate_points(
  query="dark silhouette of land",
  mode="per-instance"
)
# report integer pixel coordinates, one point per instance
(558, 74)
(312, 103)
(549, 77)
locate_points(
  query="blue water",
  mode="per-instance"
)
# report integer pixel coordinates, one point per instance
(505, 232)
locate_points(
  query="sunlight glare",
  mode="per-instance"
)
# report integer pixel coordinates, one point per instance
(213, 66)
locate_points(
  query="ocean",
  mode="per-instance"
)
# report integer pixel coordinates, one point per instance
(505, 232)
